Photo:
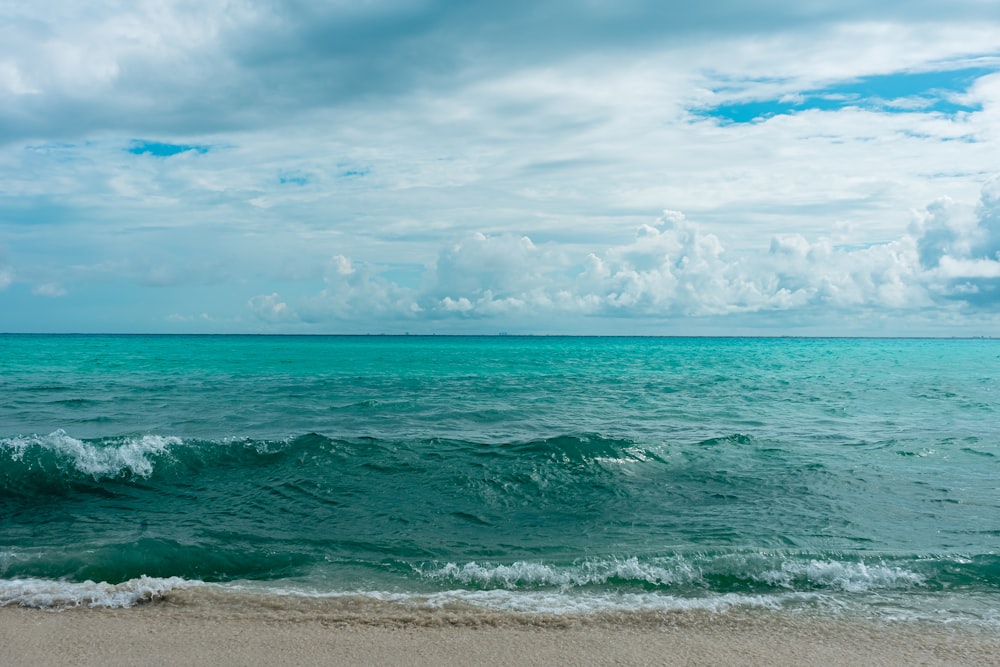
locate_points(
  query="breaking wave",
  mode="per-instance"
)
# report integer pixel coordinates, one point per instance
(55, 594)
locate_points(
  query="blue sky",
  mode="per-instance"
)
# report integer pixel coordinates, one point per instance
(941, 92)
(629, 167)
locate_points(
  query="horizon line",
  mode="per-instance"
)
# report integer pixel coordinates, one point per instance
(495, 335)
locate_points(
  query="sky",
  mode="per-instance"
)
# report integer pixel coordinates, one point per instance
(646, 167)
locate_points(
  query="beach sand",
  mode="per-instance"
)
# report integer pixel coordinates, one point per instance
(158, 634)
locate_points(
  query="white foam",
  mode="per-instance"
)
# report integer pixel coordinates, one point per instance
(937, 609)
(791, 574)
(537, 602)
(524, 573)
(848, 577)
(57, 595)
(53, 594)
(110, 459)
(542, 602)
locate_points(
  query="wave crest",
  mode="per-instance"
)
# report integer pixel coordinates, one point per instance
(584, 449)
(528, 574)
(55, 595)
(843, 576)
(127, 456)
(693, 573)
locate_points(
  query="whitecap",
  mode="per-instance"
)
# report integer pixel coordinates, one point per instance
(57, 594)
(129, 455)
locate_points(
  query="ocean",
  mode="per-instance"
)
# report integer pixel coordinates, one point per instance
(840, 478)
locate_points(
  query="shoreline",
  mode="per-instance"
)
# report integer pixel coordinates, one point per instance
(192, 633)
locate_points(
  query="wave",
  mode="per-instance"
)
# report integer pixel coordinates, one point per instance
(50, 462)
(141, 457)
(587, 448)
(55, 594)
(107, 458)
(737, 572)
(522, 574)
(458, 606)
(161, 558)
(897, 589)
(58, 595)
(138, 457)
(557, 603)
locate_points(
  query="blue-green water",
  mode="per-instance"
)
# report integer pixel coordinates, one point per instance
(521, 474)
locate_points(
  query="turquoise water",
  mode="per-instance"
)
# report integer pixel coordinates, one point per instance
(829, 476)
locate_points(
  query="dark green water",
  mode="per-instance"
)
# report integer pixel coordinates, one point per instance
(535, 474)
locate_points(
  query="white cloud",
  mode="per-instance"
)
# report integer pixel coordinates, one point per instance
(188, 319)
(500, 162)
(356, 293)
(501, 265)
(952, 268)
(988, 213)
(270, 308)
(12, 79)
(49, 290)
(674, 269)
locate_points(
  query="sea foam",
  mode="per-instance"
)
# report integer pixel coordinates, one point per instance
(530, 574)
(108, 458)
(782, 571)
(56, 595)
(850, 577)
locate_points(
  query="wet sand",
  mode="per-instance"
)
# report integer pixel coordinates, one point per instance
(170, 635)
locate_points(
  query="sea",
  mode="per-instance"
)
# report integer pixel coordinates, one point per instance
(520, 476)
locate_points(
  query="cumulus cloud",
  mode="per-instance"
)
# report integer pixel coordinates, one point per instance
(673, 268)
(484, 275)
(822, 275)
(270, 308)
(943, 231)
(961, 252)
(988, 214)
(508, 158)
(355, 292)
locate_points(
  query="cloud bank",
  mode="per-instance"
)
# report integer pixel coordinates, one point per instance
(947, 263)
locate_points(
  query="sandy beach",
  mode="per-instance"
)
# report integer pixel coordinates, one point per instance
(164, 635)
